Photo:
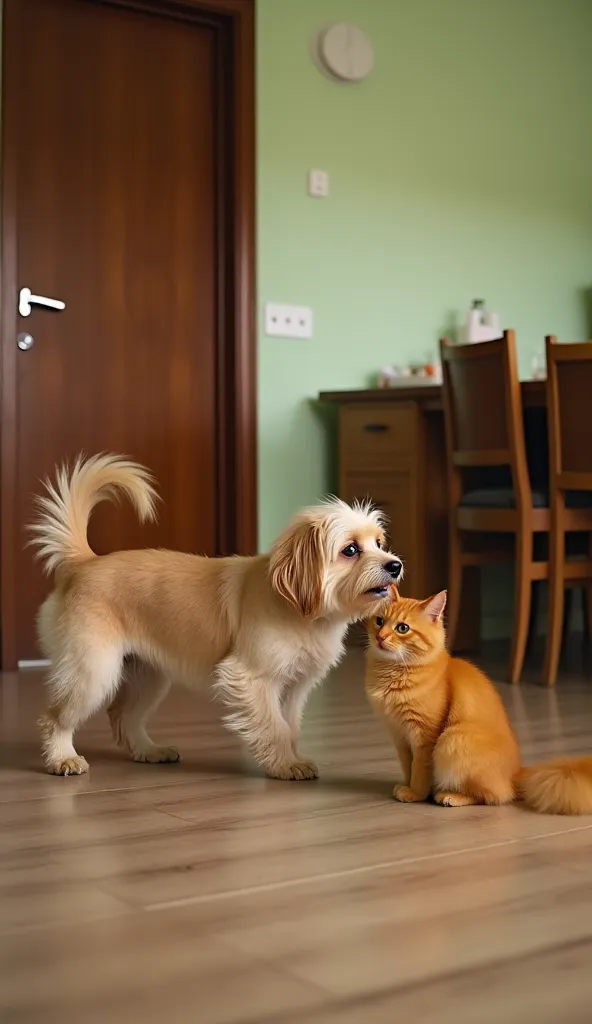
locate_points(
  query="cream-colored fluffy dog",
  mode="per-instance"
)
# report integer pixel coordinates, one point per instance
(123, 626)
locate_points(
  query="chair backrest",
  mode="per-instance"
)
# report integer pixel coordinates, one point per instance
(569, 411)
(483, 412)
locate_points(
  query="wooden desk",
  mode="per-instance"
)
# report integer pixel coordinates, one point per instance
(392, 450)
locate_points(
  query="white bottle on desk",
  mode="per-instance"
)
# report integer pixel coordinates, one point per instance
(482, 324)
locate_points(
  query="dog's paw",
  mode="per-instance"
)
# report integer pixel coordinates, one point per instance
(157, 755)
(295, 770)
(69, 766)
(406, 795)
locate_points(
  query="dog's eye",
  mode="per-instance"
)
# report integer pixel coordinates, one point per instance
(378, 544)
(351, 551)
(379, 622)
(402, 628)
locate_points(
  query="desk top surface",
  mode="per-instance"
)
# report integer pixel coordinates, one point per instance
(429, 395)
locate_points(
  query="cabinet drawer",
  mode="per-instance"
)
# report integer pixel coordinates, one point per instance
(377, 437)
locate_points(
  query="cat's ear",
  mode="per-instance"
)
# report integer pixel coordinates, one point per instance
(394, 592)
(434, 607)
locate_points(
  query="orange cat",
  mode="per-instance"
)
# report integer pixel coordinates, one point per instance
(449, 724)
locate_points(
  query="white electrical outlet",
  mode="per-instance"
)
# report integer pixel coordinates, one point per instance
(288, 321)
(318, 184)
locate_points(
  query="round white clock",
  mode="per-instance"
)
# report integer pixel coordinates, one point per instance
(346, 52)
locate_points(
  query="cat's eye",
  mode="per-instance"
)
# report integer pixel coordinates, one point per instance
(351, 551)
(379, 622)
(402, 628)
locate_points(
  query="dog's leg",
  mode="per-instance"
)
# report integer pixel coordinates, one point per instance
(257, 717)
(141, 691)
(293, 704)
(78, 685)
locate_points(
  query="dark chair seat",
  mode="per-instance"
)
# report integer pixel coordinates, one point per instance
(500, 497)
(578, 499)
(503, 497)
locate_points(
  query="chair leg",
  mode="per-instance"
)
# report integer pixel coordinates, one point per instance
(455, 581)
(522, 599)
(556, 599)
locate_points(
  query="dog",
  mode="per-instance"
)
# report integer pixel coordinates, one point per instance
(119, 628)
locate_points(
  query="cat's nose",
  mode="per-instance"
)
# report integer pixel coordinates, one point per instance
(394, 568)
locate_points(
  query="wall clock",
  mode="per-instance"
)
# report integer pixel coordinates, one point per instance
(346, 52)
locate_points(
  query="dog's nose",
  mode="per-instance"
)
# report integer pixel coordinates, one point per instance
(394, 569)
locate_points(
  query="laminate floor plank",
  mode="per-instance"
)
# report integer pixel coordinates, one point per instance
(205, 892)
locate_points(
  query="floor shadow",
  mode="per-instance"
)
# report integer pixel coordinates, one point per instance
(364, 785)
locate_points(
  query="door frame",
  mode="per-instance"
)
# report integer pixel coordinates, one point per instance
(233, 21)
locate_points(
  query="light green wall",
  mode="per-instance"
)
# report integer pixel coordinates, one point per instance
(461, 168)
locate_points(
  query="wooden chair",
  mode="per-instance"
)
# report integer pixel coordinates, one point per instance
(569, 412)
(485, 434)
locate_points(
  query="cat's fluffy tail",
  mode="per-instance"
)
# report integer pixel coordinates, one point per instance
(562, 786)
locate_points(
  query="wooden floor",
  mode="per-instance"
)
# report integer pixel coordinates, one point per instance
(202, 892)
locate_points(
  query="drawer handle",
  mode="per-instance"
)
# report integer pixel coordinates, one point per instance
(376, 428)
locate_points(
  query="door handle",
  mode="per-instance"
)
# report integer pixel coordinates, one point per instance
(27, 299)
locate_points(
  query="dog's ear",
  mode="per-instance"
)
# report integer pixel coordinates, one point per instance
(296, 568)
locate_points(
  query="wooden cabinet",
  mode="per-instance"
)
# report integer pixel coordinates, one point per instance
(392, 450)
(378, 437)
(380, 459)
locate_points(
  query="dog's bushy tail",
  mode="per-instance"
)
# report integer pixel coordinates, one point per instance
(63, 512)
(562, 786)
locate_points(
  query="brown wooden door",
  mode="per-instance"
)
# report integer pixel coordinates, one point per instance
(117, 213)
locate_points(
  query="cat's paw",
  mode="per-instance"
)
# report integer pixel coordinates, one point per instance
(453, 800)
(406, 795)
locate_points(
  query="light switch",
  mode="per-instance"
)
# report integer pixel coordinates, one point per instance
(318, 184)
